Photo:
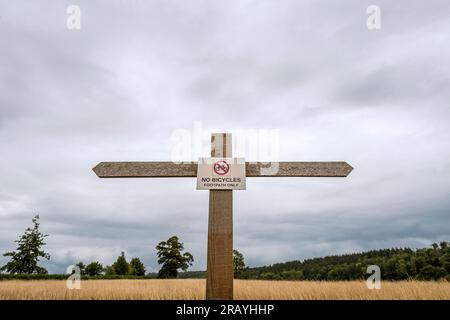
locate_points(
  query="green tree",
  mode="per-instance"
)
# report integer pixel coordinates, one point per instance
(412, 266)
(401, 270)
(121, 266)
(171, 257)
(82, 267)
(238, 264)
(137, 268)
(26, 257)
(108, 270)
(94, 269)
(432, 273)
(445, 262)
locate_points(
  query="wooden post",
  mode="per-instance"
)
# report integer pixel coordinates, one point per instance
(219, 282)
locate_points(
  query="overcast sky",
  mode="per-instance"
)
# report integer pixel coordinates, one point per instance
(309, 73)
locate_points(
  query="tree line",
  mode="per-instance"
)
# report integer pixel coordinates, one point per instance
(396, 264)
(431, 263)
(120, 267)
(24, 260)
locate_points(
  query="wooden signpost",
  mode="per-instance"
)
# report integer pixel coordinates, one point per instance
(219, 283)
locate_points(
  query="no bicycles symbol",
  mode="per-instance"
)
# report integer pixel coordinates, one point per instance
(221, 167)
(221, 174)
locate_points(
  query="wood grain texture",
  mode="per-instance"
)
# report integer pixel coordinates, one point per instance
(298, 169)
(156, 169)
(219, 280)
(167, 169)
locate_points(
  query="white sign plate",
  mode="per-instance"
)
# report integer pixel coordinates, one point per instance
(221, 174)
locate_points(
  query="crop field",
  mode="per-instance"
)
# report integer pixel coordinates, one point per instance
(243, 289)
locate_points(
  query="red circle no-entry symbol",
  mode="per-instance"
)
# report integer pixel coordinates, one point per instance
(221, 167)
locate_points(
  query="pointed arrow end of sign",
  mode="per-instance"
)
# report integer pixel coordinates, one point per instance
(348, 169)
(97, 169)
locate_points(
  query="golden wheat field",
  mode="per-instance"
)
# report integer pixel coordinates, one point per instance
(243, 289)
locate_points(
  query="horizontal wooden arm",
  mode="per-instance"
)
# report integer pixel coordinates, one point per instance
(167, 169)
